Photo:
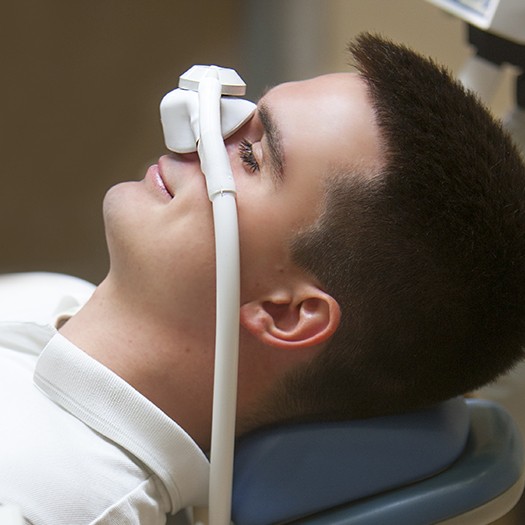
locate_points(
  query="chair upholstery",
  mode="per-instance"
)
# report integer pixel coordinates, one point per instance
(292, 471)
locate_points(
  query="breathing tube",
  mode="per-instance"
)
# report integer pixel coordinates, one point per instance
(197, 116)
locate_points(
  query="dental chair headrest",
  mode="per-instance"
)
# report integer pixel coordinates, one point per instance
(291, 471)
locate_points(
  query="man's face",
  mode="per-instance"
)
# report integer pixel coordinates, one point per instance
(162, 247)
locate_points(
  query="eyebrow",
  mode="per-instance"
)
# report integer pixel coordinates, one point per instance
(273, 137)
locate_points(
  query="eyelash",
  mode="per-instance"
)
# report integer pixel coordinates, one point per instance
(247, 156)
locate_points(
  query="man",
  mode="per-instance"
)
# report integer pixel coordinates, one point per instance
(382, 220)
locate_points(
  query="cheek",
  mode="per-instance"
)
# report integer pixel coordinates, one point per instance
(165, 238)
(264, 256)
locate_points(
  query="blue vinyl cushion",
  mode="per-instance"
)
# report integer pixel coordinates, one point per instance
(287, 472)
(487, 477)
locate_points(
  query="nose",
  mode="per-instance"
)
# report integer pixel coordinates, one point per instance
(177, 166)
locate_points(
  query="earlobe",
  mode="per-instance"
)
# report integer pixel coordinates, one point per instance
(294, 322)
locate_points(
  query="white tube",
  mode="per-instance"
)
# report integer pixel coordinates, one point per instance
(226, 358)
(221, 190)
(215, 163)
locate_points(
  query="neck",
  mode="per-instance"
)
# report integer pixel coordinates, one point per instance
(168, 364)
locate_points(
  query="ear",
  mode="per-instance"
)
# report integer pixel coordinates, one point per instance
(292, 321)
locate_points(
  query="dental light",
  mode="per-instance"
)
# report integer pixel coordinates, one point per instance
(197, 116)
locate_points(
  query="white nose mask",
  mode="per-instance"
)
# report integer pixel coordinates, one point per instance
(179, 109)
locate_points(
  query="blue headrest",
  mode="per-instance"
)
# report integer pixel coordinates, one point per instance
(287, 472)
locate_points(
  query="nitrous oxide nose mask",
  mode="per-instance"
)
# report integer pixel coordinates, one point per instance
(179, 108)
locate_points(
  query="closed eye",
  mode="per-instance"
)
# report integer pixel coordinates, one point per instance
(247, 156)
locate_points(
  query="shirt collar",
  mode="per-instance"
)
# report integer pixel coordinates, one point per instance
(105, 402)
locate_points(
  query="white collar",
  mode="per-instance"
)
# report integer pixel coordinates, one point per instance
(105, 402)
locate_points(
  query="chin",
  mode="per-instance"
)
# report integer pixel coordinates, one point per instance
(123, 209)
(122, 225)
(114, 200)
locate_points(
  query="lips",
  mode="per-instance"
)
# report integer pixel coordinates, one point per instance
(161, 182)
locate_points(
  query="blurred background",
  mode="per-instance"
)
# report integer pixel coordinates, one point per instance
(82, 82)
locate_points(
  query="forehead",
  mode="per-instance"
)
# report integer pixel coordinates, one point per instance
(324, 87)
(331, 115)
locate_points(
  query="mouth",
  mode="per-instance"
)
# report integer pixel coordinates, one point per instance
(164, 186)
(160, 182)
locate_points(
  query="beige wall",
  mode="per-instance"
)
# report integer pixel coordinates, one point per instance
(413, 22)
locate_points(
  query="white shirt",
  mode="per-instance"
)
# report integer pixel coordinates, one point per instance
(79, 445)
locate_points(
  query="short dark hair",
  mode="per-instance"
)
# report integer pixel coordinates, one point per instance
(426, 259)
